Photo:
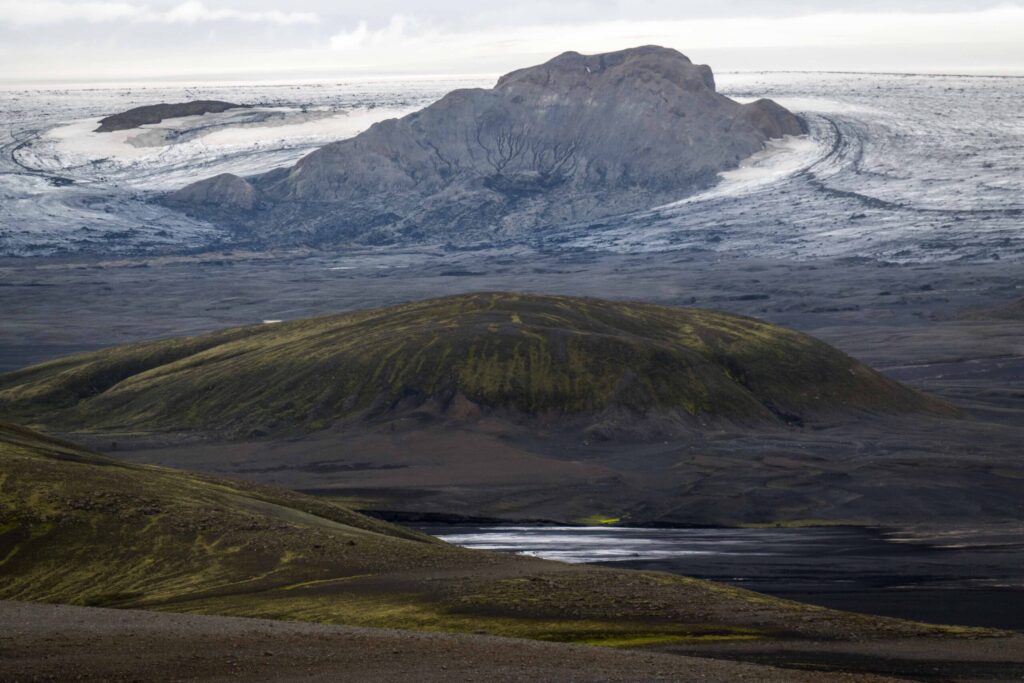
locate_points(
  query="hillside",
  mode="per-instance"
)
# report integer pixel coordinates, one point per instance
(612, 369)
(82, 529)
(164, 533)
(574, 139)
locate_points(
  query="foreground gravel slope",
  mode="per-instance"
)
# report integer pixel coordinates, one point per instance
(49, 642)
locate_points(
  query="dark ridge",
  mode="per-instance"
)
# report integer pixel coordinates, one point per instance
(155, 113)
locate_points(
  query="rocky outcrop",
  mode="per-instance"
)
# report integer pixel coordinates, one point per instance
(772, 120)
(225, 191)
(155, 113)
(575, 139)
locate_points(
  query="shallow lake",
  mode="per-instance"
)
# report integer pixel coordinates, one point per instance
(956, 578)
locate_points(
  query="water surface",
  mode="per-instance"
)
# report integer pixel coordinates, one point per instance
(962, 578)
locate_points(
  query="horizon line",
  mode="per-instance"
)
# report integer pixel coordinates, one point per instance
(230, 80)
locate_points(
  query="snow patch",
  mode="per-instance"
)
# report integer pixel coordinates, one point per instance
(779, 160)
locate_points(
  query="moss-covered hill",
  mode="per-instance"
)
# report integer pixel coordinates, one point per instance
(534, 356)
(79, 528)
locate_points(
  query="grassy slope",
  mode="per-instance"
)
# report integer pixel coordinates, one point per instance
(79, 528)
(534, 355)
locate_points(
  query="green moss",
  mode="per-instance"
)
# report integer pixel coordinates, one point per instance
(95, 531)
(666, 639)
(533, 354)
(599, 520)
(112, 599)
(412, 613)
(965, 631)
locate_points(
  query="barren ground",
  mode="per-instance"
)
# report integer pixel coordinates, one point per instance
(51, 642)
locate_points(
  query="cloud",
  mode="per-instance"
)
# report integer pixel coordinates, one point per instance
(409, 40)
(195, 11)
(399, 29)
(324, 38)
(40, 12)
(23, 13)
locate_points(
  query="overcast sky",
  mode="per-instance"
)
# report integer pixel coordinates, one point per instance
(94, 40)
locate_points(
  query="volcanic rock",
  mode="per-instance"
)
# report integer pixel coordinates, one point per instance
(155, 113)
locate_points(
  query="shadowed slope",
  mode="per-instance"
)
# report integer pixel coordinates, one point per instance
(599, 364)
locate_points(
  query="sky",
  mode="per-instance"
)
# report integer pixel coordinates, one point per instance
(68, 41)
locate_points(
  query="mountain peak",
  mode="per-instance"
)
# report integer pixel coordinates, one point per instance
(651, 67)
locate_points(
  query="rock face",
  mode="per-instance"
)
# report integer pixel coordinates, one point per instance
(575, 139)
(155, 113)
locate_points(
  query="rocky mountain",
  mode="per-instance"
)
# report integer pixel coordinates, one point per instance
(612, 369)
(575, 139)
